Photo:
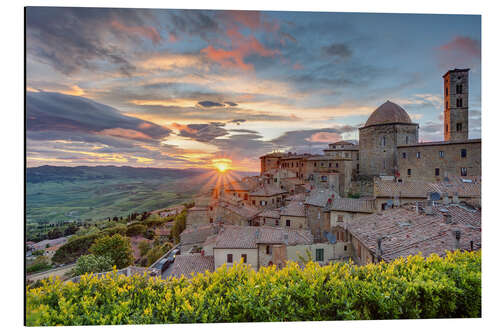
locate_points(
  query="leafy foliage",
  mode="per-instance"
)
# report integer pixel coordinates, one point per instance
(156, 252)
(116, 247)
(80, 245)
(41, 263)
(412, 287)
(144, 247)
(136, 229)
(92, 264)
(179, 226)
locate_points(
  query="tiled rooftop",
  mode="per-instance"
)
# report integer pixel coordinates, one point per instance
(236, 237)
(187, 264)
(352, 205)
(294, 208)
(247, 212)
(319, 197)
(267, 190)
(407, 232)
(271, 213)
(195, 235)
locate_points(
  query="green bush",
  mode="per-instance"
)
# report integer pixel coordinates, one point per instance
(40, 264)
(179, 226)
(136, 229)
(92, 264)
(414, 287)
(80, 245)
(116, 247)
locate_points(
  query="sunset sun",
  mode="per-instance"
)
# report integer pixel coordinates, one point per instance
(221, 164)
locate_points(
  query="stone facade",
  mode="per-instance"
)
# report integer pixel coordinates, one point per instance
(456, 102)
(433, 161)
(378, 147)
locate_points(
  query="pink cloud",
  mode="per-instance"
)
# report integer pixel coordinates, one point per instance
(250, 19)
(125, 133)
(325, 137)
(242, 47)
(298, 67)
(460, 52)
(147, 32)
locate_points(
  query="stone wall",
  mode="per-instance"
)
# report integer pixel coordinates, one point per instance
(450, 162)
(378, 145)
(296, 222)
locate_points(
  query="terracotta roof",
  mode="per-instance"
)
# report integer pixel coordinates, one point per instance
(420, 189)
(196, 235)
(352, 205)
(319, 197)
(271, 213)
(237, 237)
(440, 143)
(247, 212)
(405, 232)
(388, 113)
(296, 197)
(188, 264)
(236, 186)
(294, 208)
(267, 190)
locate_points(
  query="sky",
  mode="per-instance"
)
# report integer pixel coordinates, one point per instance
(182, 88)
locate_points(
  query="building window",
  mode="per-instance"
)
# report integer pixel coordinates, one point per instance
(407, 139)
(244, 257)
(211, 220)
(409, 172)
(253, 202)
(459, 88)
(463, 152)
(403, 155)
(459, 103)
(446, 104)
(459, 127)
(277, 223)
(323, 178)
(229, 258)
(287, 223)
(336, 165)
(269, 249)
(345, 247)
(436, 172)
(441, 154)
(263, 203)
(340, 218)
(322, 164)
(418, 154)
(329, 165)
(383, 141)
(463, 172)
(320, 254)
(315, 163)
(446, 91)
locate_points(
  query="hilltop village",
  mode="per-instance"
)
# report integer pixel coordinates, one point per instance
(386, 197)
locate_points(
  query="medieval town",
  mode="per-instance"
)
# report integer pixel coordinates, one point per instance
(387, 196)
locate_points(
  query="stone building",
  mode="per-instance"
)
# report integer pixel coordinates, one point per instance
(316, 214)
(293, 215)
(456, 105)
(267, 196)
(345, 150)
(386, 128)
(435, 161)
(269, 162)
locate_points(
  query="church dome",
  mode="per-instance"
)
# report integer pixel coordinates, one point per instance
(388, 113)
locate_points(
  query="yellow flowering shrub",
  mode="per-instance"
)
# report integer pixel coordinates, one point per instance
(412, 287)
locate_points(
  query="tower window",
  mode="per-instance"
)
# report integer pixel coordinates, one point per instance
(446, 91)
(463, 172)
(418, 154)
(441, 154)
(436, 172)
(459, 127)
(459, 88)
(446, 104)
(287, 223)
(446, 126)
(463, 152)
(407, 139)
(403, 155)
(383, 141)
(459, 103)
(409, 172)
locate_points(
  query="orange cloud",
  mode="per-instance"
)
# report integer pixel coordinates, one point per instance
(147, 32)
(324, 137)
(242, 48)
(250, 19)
(125, 133)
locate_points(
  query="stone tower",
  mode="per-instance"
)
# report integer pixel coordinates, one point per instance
(456, 105)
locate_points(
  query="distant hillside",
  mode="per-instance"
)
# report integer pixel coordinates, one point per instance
(57, 173)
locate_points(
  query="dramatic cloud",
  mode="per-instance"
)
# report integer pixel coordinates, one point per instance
(202, 132)
(338, 50)
(210, 104)
(460, 52)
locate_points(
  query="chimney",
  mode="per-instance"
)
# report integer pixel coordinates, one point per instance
(428, 208)
(446, 198)
(379, 249)
(455, 198)
(447, 218)
(457, 235)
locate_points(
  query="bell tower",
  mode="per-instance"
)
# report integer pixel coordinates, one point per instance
(456, 105)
